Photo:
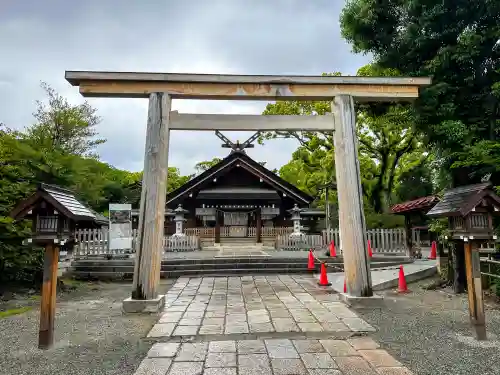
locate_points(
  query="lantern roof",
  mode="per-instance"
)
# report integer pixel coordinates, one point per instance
(295, 209)
(63, 200)
(180, 210)
(462, 200)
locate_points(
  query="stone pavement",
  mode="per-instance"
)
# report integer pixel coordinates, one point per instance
(266, 325)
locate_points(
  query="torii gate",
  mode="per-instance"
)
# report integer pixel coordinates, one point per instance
(161, 88)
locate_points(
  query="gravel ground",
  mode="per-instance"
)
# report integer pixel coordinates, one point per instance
(92, 336)
(429, 332)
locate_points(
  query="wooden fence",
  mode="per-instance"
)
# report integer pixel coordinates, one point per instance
(386, 241)
(304, 242)
(94, 242)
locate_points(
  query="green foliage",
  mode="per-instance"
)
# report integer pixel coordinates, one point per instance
(11, 312)
(389, 146)
(58, 149)
(65, 127)
(456, 43)
(202, 166)
(414, 183)
(383, 221)
(440, 227)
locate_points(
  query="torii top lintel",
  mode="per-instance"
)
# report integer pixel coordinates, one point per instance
(245, 87)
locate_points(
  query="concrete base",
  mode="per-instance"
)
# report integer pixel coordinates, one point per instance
(147, 306)
(374, 301)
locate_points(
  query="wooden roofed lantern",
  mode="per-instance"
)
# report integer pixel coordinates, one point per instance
(470, 210)
(55, 213)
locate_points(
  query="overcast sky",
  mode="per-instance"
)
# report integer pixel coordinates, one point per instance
(40, 39)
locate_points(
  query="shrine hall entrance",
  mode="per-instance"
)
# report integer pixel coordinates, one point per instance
(235, 224)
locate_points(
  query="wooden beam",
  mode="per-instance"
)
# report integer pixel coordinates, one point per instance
(149, 244)
(245, 87)
(250, 122)
(48, 300)
(474, 290)
(350, 197)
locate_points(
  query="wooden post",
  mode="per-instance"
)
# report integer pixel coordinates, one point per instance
(217, 226)
(258, 225)
(474, 290)
(149, 247)
(351, 214)
(409, 236)
(49, 294)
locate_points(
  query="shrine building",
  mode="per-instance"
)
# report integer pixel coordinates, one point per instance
(240, 198)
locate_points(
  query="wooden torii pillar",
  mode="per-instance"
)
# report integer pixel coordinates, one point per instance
(160, 88)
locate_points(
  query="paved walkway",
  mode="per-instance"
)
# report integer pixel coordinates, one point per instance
(266, 325)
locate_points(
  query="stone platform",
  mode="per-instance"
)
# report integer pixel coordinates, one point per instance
(253, 304)
(262, 325)
(229, 262)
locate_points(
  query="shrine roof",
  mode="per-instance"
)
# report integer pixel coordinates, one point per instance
(238, 193)
(239, 159)
(461, 200)
(418, 204)
(63, 201)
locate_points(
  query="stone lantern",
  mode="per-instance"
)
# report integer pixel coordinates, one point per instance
(295, 211)
(179, 220)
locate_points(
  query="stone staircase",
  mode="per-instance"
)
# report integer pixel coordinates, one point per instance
(216, 265)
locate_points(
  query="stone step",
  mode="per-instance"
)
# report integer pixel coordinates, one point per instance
(128, 275)
(216, 258)
(194, 266)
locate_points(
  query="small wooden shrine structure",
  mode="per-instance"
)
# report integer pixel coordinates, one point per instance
(414, 212)
(55, 213)
(470, 210)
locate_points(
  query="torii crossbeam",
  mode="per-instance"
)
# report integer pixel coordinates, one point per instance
(161, 88)
(236, 146)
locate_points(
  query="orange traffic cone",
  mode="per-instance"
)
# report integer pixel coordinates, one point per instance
(433, 251)
(345, 286)
(323, 278)
(333, 252)
(402, 287)
(370, 253)
(310, 263)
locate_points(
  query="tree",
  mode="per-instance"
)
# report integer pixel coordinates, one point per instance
(457, 44)
(58, 153)
(62, 126)
(389, 144)
(202, 166)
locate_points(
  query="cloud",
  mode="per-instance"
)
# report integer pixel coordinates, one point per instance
(40, 40)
